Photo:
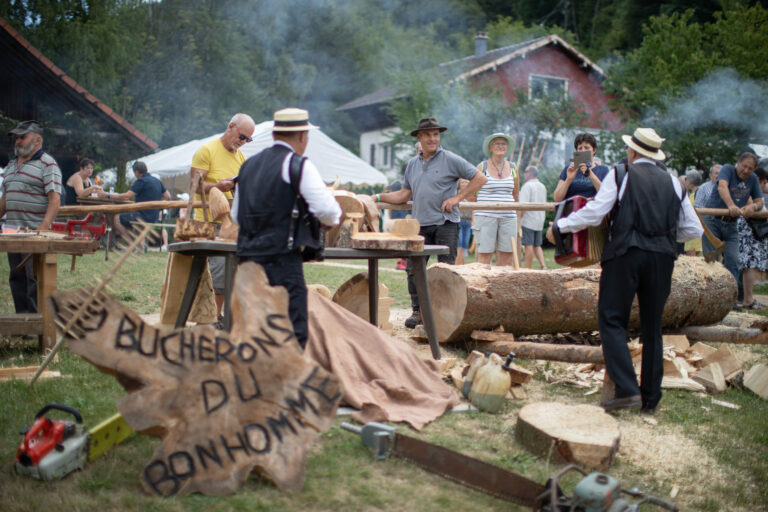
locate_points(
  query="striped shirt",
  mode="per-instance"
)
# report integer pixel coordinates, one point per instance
(497, 190)
(26, 189)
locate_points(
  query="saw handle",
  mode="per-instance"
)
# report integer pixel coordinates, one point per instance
(65, 408)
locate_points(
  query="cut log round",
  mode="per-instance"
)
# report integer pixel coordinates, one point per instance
(349, 204)
(476, 296)
(582, 434)
(352, 295)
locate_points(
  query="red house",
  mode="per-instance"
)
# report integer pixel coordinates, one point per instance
(540, 67)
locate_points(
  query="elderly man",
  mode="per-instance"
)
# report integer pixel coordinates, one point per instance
(705, 190)
(218, 162)
(638, 258)
(145, 188)
(264, 203)
(736, 185)
(31, 193)
(431, 177)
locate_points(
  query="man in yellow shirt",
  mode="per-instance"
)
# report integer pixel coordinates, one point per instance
(219, 161)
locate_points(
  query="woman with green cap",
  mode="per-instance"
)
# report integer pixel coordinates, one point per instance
(494, 229)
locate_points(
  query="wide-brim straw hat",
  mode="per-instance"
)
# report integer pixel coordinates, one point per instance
(292, 120)
(646, 142)
(428, 123)
(498, 135)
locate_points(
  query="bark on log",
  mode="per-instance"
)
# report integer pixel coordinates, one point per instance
(470, 297)
(725, 334)
(543, 351)
(583, 434)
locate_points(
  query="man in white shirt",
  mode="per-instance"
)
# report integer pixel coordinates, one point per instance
(533, 191)
(263, 206)
(649, 214)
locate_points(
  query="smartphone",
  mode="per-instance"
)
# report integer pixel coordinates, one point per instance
(581, 157)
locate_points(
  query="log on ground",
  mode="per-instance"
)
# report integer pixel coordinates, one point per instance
(542, 351)
(582, 434)
(479, 297)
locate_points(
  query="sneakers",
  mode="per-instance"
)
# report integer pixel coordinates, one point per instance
(415, 319)
(400, 264)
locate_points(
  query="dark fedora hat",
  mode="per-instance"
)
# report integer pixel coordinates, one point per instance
(428, 123)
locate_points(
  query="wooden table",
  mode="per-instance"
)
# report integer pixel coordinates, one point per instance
(201, 250)
(45, 253)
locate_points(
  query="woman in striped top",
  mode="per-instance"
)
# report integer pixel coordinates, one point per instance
(494, 229)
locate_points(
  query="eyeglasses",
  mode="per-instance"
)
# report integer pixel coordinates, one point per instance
(243, 136)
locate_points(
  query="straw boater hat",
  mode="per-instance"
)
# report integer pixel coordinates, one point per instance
(646, 142)
(292, 120)
(428, 123)
(497, 135)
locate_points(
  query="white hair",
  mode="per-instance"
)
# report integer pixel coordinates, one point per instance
(241, 118)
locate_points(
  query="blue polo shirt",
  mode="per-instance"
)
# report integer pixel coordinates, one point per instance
(741, 190)
(148, 188)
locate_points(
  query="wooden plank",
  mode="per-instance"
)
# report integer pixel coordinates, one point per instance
(677, 341)
(127, 207)
(388, 241)
(756, 380)
(27, 376)
(728, 362)
(678, 383)
(28, 323)
(711, 377)
(46, 265)
(703, 349)
(37, 245)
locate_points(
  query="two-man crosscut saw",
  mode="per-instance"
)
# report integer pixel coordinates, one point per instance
(597, 492)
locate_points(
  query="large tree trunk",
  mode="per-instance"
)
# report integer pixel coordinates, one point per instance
(469, 297)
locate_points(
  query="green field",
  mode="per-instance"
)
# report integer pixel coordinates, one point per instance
(715, 457)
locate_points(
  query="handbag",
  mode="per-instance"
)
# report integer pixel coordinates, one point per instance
(759, 227)
(302, 221)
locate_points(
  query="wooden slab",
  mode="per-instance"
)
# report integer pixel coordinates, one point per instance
(582, 434)
(711, 377)
(388, 242)
(407, 227)
(728, 362)
(224, 404)
(678, 341)
(756, 380)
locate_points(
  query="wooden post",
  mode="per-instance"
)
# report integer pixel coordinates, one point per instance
(46, 284)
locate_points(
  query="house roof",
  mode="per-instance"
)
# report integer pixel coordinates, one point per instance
(30, 79)
(467, 67)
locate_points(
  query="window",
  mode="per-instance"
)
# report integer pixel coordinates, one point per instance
(544, 87)
(385, 155)
(372, 157)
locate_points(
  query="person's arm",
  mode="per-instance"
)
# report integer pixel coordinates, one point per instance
(688, 223)
(564, 183)
(397, 197)
(166, 195)
(127, 195)
(475, 184)
(54, 199)
(725, 195)
(319, 198)
(594, 178)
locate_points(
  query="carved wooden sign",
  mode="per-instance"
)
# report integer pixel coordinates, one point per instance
(224, 405)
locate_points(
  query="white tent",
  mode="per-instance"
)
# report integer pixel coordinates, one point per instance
(172, 165)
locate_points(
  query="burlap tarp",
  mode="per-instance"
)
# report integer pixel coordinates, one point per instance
(381, 376)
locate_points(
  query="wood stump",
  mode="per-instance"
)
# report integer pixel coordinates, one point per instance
(225, 405)
(352, 295)
(481, 297)
(582, 434)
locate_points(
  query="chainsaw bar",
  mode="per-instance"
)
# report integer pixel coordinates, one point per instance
(473, 473)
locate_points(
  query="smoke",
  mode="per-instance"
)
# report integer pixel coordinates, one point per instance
(722, 99)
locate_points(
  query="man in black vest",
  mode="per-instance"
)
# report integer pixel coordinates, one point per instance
(263, 204)
(649, 213)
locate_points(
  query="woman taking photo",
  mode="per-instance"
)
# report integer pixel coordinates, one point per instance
(494, 229)
(80, 184)
(585, 179)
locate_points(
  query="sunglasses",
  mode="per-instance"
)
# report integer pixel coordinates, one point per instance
(243, 136)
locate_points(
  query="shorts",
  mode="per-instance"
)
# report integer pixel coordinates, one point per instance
(494, 233)
(128, 217)
(218, 265)
(531, 237)
(465, 233)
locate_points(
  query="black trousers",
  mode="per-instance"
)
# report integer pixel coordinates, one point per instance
(445, 234)
(649, 275)
(23, 283)
(288, 271)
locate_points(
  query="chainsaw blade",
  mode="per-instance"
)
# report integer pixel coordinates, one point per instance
(473, 473)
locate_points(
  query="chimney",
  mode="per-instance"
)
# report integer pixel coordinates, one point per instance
(481, 44)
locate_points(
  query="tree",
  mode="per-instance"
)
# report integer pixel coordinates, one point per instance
(702, 85)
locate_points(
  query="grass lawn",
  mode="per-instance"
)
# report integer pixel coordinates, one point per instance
(716, 458)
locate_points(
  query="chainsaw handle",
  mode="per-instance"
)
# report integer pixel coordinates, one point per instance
(65, 408)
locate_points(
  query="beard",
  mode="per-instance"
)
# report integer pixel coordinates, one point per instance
(24, 151)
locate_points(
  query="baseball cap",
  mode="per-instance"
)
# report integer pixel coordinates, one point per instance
(25, 127)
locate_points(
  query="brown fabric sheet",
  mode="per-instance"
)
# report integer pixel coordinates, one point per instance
(380, 375)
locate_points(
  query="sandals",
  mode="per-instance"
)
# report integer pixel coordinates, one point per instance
(754, 305)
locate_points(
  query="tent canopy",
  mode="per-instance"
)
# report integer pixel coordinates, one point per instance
(172, 165)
